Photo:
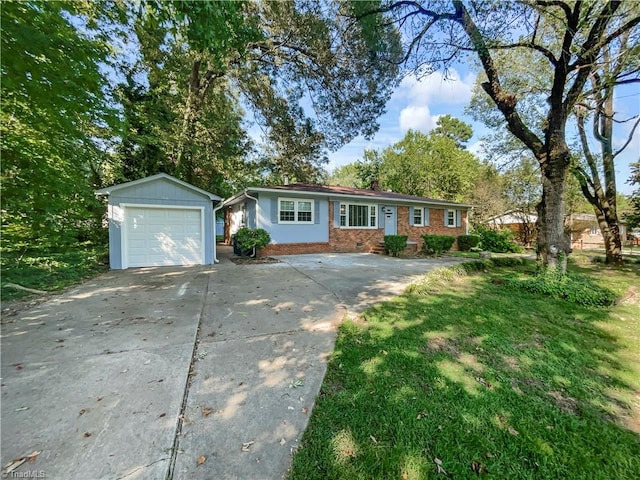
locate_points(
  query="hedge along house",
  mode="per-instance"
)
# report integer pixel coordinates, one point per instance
(160, 221)
(304, 218)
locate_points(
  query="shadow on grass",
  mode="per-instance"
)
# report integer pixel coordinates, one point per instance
(51, 270)
(472, 381)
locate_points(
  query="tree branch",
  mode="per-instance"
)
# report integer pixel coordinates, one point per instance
(505, 101)
(586, 59)
(635, 125)
(547, 53)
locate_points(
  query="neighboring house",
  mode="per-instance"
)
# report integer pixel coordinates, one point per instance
(304, 218)
(160, 220)
(583, 228)
(522, 224)
(585, 231)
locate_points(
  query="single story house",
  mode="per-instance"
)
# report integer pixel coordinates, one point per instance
(582, 228)
(159, 221)
(306, 218)
(522, 224)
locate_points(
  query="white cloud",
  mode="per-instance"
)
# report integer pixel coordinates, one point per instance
(417, 118)
(437, 88)
(477, 148)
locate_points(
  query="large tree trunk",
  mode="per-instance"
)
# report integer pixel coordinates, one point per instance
(199, 86)
(610, 229)
(554, 244)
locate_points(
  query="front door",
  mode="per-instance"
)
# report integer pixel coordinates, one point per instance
(390, 223)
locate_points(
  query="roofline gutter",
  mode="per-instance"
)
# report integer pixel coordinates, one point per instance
(377, 199)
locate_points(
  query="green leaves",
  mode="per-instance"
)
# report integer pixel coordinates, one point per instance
(53, 106)
(429, 166)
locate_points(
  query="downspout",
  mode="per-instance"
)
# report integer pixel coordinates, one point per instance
(215, 241)
(467, 225)
(246, 194)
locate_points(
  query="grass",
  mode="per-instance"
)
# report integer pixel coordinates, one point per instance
(473, 379)
(50, 271)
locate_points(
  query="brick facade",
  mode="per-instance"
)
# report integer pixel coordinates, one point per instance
(353, 240)
(436, 226)
(350, 240)
(295, 248)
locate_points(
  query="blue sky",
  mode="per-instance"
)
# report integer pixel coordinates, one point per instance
(417, 103)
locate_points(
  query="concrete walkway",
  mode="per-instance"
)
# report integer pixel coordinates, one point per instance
(96, 379)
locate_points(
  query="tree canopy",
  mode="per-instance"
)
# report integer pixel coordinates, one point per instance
(99, 93)
(54, 114)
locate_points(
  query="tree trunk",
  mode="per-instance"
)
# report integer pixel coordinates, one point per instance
(611, 234)
(553, 242)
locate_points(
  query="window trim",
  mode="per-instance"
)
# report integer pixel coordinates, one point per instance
(421, 223)
(296, 210)
(455, 212)
(372, 207)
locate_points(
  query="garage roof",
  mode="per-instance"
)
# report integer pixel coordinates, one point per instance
(152, 178)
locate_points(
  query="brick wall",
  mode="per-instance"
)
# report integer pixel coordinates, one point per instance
(295, 248)
(350, 240)
(436, 226)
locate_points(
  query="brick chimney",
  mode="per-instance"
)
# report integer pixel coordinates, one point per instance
(375, 185)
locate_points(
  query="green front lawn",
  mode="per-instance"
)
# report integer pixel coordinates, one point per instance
(476, 379)
(51, 271)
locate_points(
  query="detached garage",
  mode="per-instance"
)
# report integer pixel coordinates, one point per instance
(160, 221)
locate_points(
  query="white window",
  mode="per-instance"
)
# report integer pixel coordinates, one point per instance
(417, 217)
(291, 210)
(358, 216)
(450, 221)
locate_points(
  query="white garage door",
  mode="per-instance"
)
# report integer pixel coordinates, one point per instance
(163, 236)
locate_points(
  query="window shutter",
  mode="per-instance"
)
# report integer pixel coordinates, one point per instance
(458, 218)
(426, 216)
(274, 210)
(411, 216)
(446, 217)
(336, 214)
(316, 211)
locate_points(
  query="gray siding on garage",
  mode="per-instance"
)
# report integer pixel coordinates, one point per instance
(159, 191)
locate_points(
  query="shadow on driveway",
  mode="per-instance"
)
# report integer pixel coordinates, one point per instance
(95, 378)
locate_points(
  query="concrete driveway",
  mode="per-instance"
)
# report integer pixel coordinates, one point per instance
(98, 379)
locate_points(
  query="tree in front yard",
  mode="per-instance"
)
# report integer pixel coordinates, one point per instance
(568, 37)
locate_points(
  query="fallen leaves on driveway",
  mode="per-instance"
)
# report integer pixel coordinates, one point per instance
(247, 445)
(201, 460)
(206, 411)
(11, 466)
(298, 382)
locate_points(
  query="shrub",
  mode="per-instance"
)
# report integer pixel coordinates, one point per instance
(565, 287)
(467, 242)
(497, 241)
(249, 239)
(395, 244)
(437, 244)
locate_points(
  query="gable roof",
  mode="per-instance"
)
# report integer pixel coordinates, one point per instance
(153, 178)
(345, 192)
